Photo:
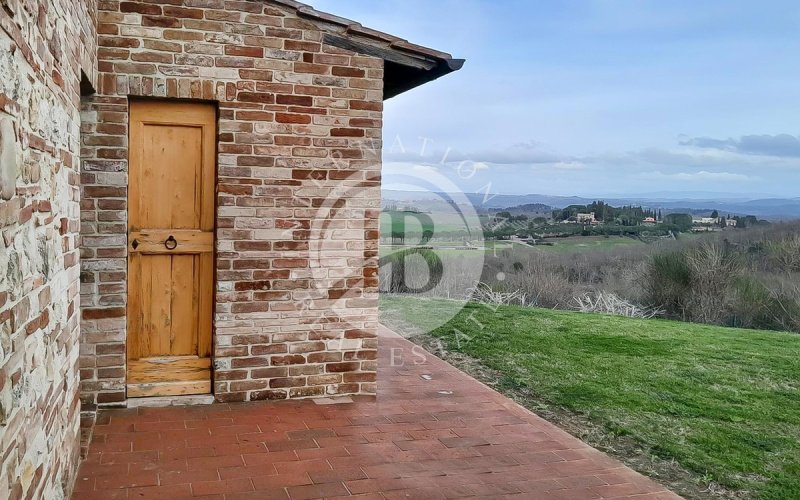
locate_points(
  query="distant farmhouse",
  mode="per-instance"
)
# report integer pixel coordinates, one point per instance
(705, 221)
(706, 224)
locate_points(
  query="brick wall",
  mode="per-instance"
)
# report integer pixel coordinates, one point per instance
(43, 47)
(298, 183)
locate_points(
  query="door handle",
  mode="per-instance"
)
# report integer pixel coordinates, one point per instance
(171, 243)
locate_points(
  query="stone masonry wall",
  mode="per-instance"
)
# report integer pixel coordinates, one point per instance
(44, 45)
(298, 194)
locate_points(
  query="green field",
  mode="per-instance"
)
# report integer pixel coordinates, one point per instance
(448, 248)
(436, 222)
(574, 244)
(724, 403)
(571, 244)
(588, 243)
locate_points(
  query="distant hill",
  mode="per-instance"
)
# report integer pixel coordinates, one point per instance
(530, 208)
(767, 208)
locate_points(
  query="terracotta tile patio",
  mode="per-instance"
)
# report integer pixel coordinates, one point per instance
(433, 433)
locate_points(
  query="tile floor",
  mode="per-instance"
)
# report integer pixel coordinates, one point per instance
(433, 433)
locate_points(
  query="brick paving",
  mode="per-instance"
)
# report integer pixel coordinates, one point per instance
(433, 433)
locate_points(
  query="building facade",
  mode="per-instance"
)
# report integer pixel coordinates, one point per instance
(189, 206)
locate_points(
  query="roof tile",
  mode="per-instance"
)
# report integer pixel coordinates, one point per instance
(358, 29)
(355, 28)
(419, 49)
(308, 11)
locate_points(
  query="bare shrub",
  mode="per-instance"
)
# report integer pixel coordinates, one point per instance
(609, 303)
(751, 301)
(667, 282)
(713, 272)
(776, 307)
(412, 272)
(747, 278)
(785, 253)
(543, 280)
(484, 294)
(786, 292)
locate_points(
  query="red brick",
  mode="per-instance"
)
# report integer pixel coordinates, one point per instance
(233, 62)
(234, 50)
(347, 132)
(312, 90)
(139, 8)
(365, 123)
(289, 263)
(347, 71)
(304, 46)
(161, 22)
(101, 313)
(252, 245)
(183, 12)
(342, 367)
(292, 118)
(366, 105)
(259, 97)
(262, 350)
(256, 74)
(319, 69)
(293, 359)
(291, 140)
(117, 41)
(298, 100)
(267, 395)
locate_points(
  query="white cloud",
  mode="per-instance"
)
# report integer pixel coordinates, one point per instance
(780, 145)
(531, 167)
(517, 154)
(421, 169)
(701, 176)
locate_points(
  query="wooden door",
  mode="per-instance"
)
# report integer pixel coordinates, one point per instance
(171, 169)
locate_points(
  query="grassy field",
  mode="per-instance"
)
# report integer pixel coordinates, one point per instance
(588, 243)
(437, 222)
(724, 403)
(570, 244)
(452, 248)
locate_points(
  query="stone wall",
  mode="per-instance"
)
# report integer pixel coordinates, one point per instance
(44, 45)
(298, 194)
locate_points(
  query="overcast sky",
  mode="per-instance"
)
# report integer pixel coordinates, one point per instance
(601, 97)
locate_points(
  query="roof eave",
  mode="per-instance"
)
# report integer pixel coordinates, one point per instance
(406, 65)
(394, 85)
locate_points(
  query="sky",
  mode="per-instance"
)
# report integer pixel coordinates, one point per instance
(599, 97)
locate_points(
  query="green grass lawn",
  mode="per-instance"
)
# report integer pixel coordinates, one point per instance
(723, 402)
(588, 243)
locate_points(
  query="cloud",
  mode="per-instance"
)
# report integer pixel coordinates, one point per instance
(780, 145)
(569, 165)
(516, 154)
(422, 169)
(701, 176)
(692, 163)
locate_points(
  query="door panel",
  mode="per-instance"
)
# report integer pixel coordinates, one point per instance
(170, 244)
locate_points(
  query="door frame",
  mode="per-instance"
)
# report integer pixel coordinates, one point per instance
(214, 208)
